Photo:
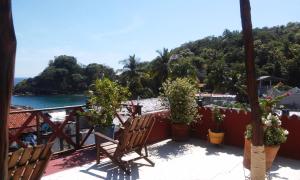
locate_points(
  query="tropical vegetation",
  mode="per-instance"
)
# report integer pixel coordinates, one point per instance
(274, 134)
(104, 98)
(216, 61)
(218, 118)
(179, 94)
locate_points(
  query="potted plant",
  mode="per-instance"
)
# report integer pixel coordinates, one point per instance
(180, 95)
(104, 98)
(216, 135)
(274, 134)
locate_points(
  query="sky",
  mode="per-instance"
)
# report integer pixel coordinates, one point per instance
(105, 32)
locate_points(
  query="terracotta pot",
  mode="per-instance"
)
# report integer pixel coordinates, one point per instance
(180, 132)
(270, 151)
(215, 138)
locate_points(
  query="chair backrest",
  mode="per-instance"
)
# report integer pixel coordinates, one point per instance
(135, 133)
(29, 163)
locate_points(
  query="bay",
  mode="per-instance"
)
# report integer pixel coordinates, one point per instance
(48, 101)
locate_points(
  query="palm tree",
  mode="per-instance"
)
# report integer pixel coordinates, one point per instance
(131, 66)
(160, 67)
(131, 75)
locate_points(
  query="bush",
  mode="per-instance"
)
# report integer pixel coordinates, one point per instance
(104, 98)
(274, 134)
(180, 95)
(218, 118)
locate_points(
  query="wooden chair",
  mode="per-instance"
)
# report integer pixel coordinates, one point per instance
(133, 138)
(29, 163)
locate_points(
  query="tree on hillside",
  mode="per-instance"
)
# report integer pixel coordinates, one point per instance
(160, 68)
(181, 68)
(218, 61)
(94, 71)
(131, 75)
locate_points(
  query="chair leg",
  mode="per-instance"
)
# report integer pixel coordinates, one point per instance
(146, 156)
(122, 165)
(98, 153)
(149, 161)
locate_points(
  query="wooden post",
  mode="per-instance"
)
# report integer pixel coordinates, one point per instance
(250, 70)
(77, 125)
(8, 45)
(257, 152)
(38, 128)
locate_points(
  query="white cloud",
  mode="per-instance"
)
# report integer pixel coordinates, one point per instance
(136, 23)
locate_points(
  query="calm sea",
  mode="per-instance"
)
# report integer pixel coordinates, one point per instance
(47, 101)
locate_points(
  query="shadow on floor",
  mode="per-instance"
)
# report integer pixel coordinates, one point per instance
(71, 159)
(212, 149)
(285, 162)
(170, 149)
(77, 158)
(110, 171)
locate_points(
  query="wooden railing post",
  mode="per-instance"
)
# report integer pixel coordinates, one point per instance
(38, 128)
(8, 45)
(77, 132)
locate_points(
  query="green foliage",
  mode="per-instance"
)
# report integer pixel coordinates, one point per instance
(267, 104)
(135, 78)
(94, 71)
(218, 118)
(64, 76)
(219, 62)
(274, 134)
(180, 95)
(276, 53)
(104, 98)
(181, 68)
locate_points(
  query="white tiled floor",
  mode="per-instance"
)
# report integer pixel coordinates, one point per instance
(195, 159)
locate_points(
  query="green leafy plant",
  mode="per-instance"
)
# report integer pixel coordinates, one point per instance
(104, 98)
(269, 103)
(218, 118)
(274, 134)
(180, 96)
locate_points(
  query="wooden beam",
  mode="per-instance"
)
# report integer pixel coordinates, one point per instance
(8, 45)
(257, 139)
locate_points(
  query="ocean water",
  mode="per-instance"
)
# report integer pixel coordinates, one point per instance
(48, 101)
(148, 105)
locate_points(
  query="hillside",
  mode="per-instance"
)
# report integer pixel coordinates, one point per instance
(63, 76)
(216, 61)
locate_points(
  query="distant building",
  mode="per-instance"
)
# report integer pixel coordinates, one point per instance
(266, 83)
(217, 99)
(15, 122)
(293, 100)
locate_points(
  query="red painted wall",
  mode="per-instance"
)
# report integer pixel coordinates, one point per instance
(161, 129)
(291, 148)
(234, 126)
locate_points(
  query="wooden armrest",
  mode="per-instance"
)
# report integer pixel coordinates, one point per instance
(102, 136)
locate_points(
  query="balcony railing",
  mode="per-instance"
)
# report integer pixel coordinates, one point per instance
(69, 130)
(234, 127)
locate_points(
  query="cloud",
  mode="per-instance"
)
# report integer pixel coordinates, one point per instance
(136, 23)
